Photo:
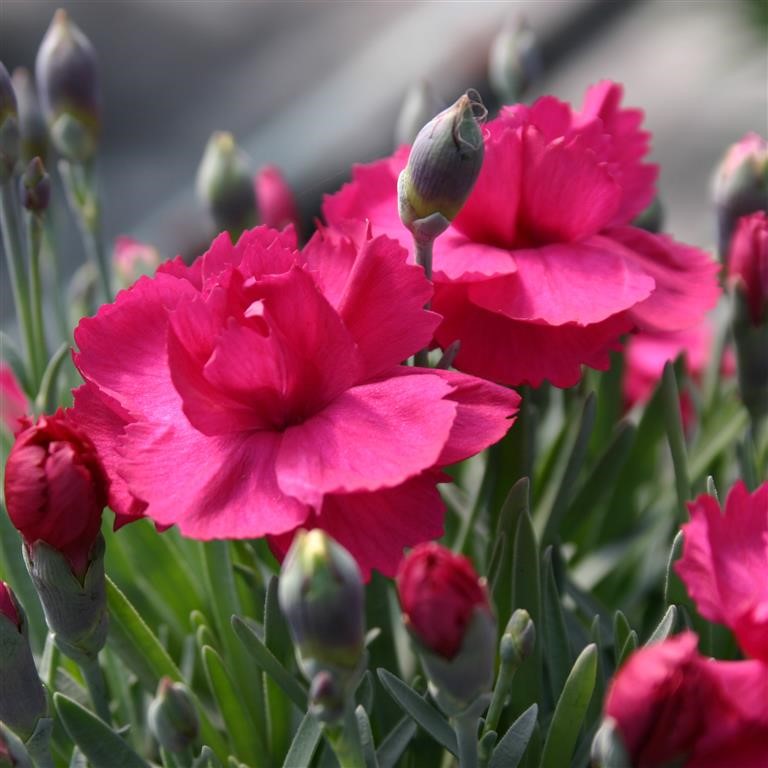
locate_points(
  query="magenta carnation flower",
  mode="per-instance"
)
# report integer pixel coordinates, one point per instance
(260, 390)
(541, 271)
(725, 564)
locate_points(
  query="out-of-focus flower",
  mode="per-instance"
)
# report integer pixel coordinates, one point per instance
(22, 698)
(9, 126)
(55, 488)
(260, 391)
(447, 611)
(68, 86)
(671, 704)
(540, 272)
(748, 263)
(274, 199)
(132, 259)
(34, 133)
(725, 564)
(514, 61)
(740, 185)
(172, 716)
(420, 105)
(13, 401)
(225, 185)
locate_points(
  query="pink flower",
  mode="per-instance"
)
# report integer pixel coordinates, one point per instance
(671, 704)
(8, 605)
(260, 390)
(540, 272)
(725, 564)
(132, 259)
(274, 199)
(748, 262)
(13, 401)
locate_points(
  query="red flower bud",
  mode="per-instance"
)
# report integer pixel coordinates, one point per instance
(274, 199)
(55, 488)
(748, 261)
(439, 592)
(8, 605)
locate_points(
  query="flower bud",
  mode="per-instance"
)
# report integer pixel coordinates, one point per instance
(274, 199)
(13, 753)
(519, 638)
(514, 62)
(326, 697)
(22, 698)
(444, 164)
(448, 614)
(419, 106)
(740, 185)
(35, 187)
(10, 139)
(56, 489)
(748, 263)
(172, 716)
(225, 185)
(34, 133)
(68, 85)
(132, 259)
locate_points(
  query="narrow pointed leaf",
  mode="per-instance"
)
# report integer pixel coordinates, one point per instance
(510, 750)
(366, 737)
(673, 422)
(557, 650)
(304, 742)
(395, 742)
(665, 627)
(629, 647)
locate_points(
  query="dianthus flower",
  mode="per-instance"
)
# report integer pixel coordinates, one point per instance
(541, 271)
(260, 390)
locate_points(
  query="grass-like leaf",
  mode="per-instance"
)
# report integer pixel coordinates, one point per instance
(510, 750)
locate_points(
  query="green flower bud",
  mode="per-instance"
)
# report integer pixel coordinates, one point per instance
(34, 132)
(75, 610)
(22, 698)
(443, 166)
(225, 185)
(519, 638)
(608, 750)
(68, 85)
(35, 187)
(514, 61)
(13, 753)
(10, 138)
(172, 716)
(419, 106)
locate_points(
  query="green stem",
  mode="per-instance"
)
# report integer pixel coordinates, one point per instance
(500, 693)
(35, 239)
(14, 253)
(424, 260)
(676, 437)
(97, 688)
(53, 278)
(466, 738)
(344, 739)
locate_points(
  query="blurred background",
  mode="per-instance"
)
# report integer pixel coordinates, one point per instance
(316, 86)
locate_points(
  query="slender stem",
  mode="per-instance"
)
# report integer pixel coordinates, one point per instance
(14, 253)
(466, 738)
(676, 439)
(500, 692)
(97, 688)
(423, 259)
(344, 739)
(53, 279)
(34, 239)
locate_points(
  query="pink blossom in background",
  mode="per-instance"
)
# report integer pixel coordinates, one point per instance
(132, 259)
(541, 271)
(674, 706)
(13, 401)
(260, 390)
(274, 199)
(748, 262)
(725, 564)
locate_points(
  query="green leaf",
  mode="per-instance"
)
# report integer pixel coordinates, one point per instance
(267, 662)
(395, 742)
(102, 747)
(304, 742)
(665, 627)
(366, 737)
(674, 425)
(630, 646)
(570, 711)
(277, 639)
(243, 737)
(556, 651)
(420, 710)
(46, 395)
(512, 746)
(621, 631)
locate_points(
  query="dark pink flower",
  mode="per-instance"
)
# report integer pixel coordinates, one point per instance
(671, 704)
(725, 564)
(748, 262)
(13, 401)
(540, 272)
(274, 199)
(260, 390)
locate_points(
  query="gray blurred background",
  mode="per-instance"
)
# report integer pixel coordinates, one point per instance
(315, 86)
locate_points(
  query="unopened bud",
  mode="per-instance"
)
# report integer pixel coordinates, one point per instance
(443, 166)
(326, 697)
(10, 138)
(22, 698)
(519, 638)
(274, 199)
(608, 750)
(34, 133)
(419, 106)
(514, 61)
(13, 753)
(740, 185)
(225, 185)
(173, 717)
(35, 187)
